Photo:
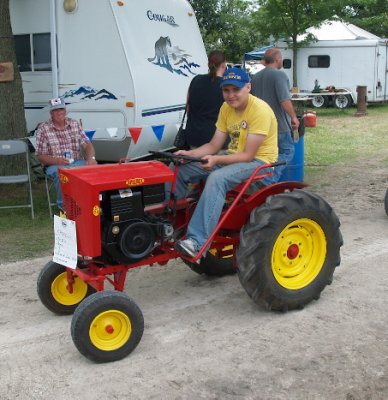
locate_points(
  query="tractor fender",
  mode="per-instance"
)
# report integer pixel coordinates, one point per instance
(240, 213)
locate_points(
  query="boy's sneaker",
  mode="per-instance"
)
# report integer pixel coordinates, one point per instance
(187, 247)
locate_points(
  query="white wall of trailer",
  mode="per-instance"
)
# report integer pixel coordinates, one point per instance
(352, 63)
(129, 101)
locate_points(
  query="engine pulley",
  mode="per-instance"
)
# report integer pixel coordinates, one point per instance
(137, 240)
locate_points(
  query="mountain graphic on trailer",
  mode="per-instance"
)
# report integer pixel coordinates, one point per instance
(84, 93)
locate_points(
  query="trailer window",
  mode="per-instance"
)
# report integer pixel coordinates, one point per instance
(319, 61)
(287, 63)
(33, 52)
(23, 52)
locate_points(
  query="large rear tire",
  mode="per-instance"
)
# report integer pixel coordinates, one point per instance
(53, 290)
(288, 250)
(107, 326)
(386, 202)
(212, 265)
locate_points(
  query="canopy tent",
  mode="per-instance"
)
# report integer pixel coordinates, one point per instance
(256, 55)
(329, 30)
(338, 30)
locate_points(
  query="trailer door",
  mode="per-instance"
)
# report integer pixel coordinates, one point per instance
(382, 71)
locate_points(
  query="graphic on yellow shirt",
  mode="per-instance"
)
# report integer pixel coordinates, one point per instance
(234, 134)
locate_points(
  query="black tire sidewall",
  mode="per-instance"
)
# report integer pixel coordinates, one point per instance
(96, 304)
(214, 266)
(45, 279)
(254, 256)
(325, 102)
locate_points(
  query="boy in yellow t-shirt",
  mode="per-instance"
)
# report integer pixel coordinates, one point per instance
(252, 128)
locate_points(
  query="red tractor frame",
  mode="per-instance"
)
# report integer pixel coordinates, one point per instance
(283, 242)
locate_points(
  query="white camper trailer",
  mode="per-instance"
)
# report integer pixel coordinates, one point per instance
(123, 67)
(343, 57)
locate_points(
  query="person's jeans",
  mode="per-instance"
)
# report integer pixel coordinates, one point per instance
(52, 172)
(209, 208)
(286, 147)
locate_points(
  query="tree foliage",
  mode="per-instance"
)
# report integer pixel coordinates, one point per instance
(12, 119)
(226, 25)
(371, 15)
(285, 20)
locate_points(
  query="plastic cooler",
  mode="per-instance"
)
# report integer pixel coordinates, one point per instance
(294, 171)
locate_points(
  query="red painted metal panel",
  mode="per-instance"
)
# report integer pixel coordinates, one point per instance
(82, 188)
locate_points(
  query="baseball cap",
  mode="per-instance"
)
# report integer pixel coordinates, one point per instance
(56, 103)
(236, 77)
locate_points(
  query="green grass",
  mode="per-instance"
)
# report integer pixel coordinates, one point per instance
(339, 138)
(342, 139)
(22, 237)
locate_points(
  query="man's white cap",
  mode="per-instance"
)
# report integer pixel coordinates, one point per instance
(56, 103)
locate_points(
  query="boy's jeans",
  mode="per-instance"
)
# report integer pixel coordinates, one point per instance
(209, 208)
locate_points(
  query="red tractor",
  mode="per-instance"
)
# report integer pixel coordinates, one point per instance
(283, 242)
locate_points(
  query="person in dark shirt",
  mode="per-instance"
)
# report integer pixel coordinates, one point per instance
(204, 101)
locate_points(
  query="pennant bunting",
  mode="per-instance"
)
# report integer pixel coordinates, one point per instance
(112, 132)
(158, 131)
(135, 133)
(90, 134)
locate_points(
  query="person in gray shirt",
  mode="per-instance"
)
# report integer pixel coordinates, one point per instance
(272, 85)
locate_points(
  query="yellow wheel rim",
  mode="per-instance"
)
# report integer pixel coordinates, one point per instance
(226, 248)
(299, 254)
(110, 330)
(61, 294)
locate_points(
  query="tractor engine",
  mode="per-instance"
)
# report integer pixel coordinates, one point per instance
(117, 209)
(128, 233)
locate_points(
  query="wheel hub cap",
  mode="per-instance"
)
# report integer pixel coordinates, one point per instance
(299, 254)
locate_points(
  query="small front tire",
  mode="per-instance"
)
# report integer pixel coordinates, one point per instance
(52, 286)
(107, 326)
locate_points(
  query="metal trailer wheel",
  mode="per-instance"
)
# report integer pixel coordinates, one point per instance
(53, 292)
(107, 326)
(320, 101)
(386, 202)
(343, 101)
(211, 265)
(289, 250)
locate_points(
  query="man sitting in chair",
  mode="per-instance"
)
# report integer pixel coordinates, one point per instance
(61, 142)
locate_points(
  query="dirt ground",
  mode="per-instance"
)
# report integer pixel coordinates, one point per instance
(205, 338)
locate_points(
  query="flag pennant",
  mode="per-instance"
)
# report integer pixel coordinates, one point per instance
(112, 132)
(135, 133)
(90, 134)
(158, 131)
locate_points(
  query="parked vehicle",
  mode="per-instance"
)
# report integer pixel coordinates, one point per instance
(123, 67)
(283, 241)
(343, 57)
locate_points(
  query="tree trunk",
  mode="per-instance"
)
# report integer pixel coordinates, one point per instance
(12, 117)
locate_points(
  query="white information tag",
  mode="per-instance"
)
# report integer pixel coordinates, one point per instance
(65, 246)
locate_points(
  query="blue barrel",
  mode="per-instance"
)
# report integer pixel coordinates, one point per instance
(294, 171)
